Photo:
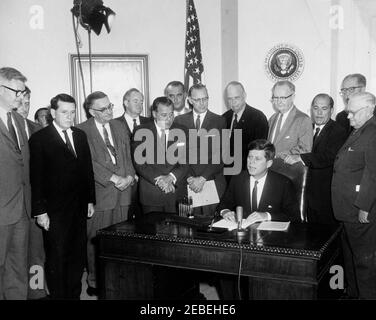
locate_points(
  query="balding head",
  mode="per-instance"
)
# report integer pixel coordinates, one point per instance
(361, 107)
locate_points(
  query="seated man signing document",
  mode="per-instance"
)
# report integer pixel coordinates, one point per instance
(264, 195)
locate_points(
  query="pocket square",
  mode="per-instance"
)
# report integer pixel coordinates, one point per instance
(287, 137)
(180, 144)
(210, 135)
(350, 149)
(269, 206)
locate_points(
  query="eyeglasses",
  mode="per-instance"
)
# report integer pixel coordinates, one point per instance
(18, 92)
(282, 99)
(353, 113)
(202, 100)
(349, 90)
(108, 108)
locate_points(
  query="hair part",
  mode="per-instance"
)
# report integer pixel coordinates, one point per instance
(323, 96)
(161, 100)
(61, 97)
(10, 74)
(287, 83)
(127, 95)
(265, 145)
(360, 79)
(174, 83)
(197, 86)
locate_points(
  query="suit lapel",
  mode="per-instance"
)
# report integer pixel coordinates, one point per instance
(6, 134)
(246, 187)
(265, 191)
(324, 131)
(207, 119)
(286, 126)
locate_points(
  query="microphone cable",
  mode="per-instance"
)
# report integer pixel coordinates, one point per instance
(240, 268)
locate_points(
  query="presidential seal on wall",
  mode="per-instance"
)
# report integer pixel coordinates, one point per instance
(284, 62)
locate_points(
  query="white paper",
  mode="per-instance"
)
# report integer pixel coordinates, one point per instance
(273, 226)
(230, 225)
(208, 195)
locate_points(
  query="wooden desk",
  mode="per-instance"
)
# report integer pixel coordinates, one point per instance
(280, 265)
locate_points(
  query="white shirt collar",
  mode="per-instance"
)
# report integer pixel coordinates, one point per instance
(239, 114)
(202, 116)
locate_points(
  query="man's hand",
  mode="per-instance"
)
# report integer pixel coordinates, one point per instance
(196, 184)
(123, 182)
(257, 217)
(44, 221)
(229, 216)
(165, 183)
(90, 210)
(293, 158)
(363, 216)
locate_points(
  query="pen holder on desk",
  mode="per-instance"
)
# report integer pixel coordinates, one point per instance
(185, 207)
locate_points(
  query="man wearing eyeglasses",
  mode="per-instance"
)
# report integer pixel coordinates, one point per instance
(63, 190)
(205, 169)
(354, 197)
(15, 194)
(290, 130)
(351, 84)
(113, 173)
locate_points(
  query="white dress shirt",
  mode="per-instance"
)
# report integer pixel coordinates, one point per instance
(61, 133)
(285, 115)
(260, 188)
(4, 118)
(130, 122)
(100, 129)
(202, 117)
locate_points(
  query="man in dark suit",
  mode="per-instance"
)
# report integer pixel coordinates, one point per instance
(203, 120)
(176, 93)
(354, 197)
(162, 175)
(133, 101)
(36, 247)
(15, 191)
(351, 84)
(252, 122)
(113, 173)
(63, 196)
(263, 194)
(329, 136)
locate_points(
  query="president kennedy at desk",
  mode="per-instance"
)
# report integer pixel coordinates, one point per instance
(263, 194)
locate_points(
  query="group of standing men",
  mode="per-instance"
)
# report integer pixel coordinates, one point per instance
(90, 171)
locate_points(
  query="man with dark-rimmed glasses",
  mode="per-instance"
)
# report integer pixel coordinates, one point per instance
(113, 173)
(15, 195)
(351, 84)
(290, 130)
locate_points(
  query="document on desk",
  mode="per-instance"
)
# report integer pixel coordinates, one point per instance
(208, 195)
(273, 226)
(230, 225)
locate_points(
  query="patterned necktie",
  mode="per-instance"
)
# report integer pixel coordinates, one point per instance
(316, 134)
(134, 125)
(68, 143)
(198, 124)
(278, 128)
(12, 130)
(109, 146)
(254, 197)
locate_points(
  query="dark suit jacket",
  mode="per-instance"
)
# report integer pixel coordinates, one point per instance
(209, 170)
(107, 195)
(278, 197)
(122, 120)
(354, 175)
(320, 163)
(149, 193)
(341, 119)
(254, 125)
(15, 194)
(59, 180)
(32, 127)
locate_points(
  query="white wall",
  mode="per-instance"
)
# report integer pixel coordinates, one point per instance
(156, 28)
(306, 24)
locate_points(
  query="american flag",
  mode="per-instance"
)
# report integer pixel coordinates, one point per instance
(193, 57)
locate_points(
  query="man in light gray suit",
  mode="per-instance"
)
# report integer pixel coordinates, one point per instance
(113, 172)
(290, 130)
(15, 195)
